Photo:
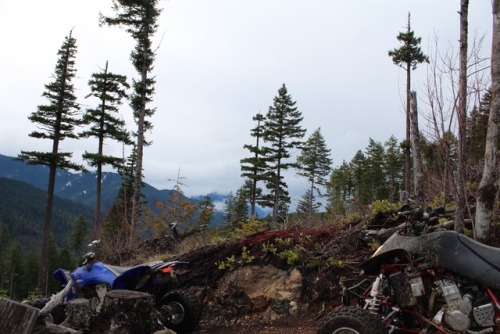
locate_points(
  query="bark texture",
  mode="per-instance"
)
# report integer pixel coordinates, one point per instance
(488, 187)
(418, 173)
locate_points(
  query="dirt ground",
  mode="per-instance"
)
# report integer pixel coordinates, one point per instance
(288, 325)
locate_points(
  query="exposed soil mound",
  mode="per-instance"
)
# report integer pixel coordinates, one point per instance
(272, 275)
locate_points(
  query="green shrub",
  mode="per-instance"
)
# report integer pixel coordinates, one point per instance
(315, 262)
(291, 256)
(384, 206)
(232, 263)
(336, 263)
(267, 247)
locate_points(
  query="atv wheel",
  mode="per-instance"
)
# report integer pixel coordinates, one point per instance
(180, 311)
(352, 320)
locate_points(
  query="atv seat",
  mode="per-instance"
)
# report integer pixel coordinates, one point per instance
(117, 270)
(487, 253)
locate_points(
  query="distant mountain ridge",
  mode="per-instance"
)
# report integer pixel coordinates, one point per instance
(80, 187)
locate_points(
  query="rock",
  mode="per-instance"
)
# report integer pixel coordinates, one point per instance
(267, 281)
(262, 292)
(294, 307)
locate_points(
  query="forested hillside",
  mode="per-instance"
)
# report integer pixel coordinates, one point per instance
(22, 207)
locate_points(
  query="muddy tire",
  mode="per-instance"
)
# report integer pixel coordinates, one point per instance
(180, 311)
(352, 320)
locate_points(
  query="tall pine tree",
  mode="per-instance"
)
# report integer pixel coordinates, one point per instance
(109, 89)
(56, 121)
(139, 18)
(408, 56)
(282, 133)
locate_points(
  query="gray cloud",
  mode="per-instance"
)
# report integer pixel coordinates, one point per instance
(222, 61)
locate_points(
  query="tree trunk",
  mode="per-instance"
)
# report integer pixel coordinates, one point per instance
(141, 115)
(97, 215)
(418, 173)
(462, 118)
(407, 150)
(488, 187)
(44, 262)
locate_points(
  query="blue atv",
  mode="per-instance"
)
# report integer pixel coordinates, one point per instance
(178, 309)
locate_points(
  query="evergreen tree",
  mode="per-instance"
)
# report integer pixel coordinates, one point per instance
(236, 209)
(57, 121)
(476, 134)
(314, 163)
(229, 214)
(78, 237)
(139, 17)
(116, 227)
(282, 133)
(109, 89)
(4, 246)
(254, 167)
(408, 56)
(206, 208)
(30, 272)
(359, 176)
(393, 167)
(374, 171)
(240, 205)
(340, 185)
(307, 207)
(14, 270)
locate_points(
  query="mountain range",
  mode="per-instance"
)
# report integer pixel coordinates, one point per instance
(28, 185)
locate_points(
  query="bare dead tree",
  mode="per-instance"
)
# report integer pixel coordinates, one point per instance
(418, 172)
(462, 117)
(441, 100)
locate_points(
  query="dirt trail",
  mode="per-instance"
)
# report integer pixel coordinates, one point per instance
(288, 325)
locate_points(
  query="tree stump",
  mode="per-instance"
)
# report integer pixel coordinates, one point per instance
(16, 317)
(78, 314)
(125, 311)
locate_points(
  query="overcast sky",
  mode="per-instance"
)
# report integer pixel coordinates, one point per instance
(219, 62)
